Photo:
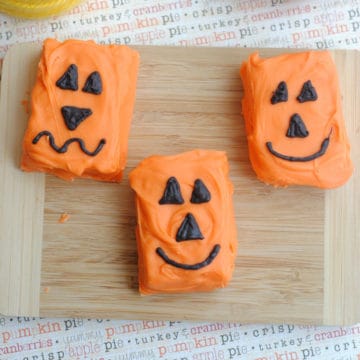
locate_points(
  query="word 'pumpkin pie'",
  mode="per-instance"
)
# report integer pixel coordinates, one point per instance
(81, 110)
(186, 231)
(293, 118)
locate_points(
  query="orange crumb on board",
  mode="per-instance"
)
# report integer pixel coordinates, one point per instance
(46, 290)
(64, 218)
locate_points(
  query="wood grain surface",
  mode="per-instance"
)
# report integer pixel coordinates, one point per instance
(21, 198)
(298, 247)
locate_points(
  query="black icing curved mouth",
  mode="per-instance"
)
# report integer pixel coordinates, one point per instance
(64, 148)
(321, 152)
(214, 252)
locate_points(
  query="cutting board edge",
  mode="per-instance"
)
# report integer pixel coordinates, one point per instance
(21, 248)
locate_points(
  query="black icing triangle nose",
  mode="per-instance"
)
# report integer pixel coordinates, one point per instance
(189, 229)
(297, 127)
(73, 116)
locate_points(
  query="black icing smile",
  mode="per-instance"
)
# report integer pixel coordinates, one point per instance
(321, 152)
(64, 148)
(214, 252)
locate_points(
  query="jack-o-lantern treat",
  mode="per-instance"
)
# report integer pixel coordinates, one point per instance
(81, 110)
(186, 231)
(293, 118)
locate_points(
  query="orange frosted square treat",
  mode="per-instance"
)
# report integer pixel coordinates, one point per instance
(294, 123)
(186, 231)
(81, 110)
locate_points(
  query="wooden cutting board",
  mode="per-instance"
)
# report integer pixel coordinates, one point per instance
(299, 247)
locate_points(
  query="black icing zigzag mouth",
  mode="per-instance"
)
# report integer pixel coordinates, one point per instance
(64, 148)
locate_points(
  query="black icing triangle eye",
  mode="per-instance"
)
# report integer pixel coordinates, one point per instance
(297, 127)
(308, 93)
(69, 80)
(189, 229)
(172, 193)
(93, 84)
(280, 94)
(200, 194)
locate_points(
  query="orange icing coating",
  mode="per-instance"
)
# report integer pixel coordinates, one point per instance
(111, 110)
(268, 123)
(158, 224)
